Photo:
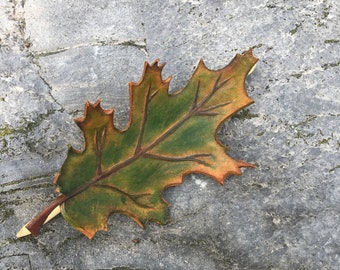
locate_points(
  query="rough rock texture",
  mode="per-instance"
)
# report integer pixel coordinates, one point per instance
(283, 215)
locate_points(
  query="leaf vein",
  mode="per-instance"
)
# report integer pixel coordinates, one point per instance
(194, 158)
(145, 116)
(130, 196)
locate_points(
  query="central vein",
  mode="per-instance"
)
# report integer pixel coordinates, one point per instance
(139, 151)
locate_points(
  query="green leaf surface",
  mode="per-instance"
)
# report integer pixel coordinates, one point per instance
(168, 137)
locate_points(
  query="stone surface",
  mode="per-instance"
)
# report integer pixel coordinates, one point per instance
(282, 215)
(55, 26)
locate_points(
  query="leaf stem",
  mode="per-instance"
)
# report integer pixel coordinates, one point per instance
(35, 224)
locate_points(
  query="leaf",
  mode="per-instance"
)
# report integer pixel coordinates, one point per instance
(168, 137)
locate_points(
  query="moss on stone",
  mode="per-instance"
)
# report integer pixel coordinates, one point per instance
(328, 65)
(293, 31)
(323, 141)
(331, 41)
(309, 118)
(246, 114)
(260, 133)
(297, 75)
(7, 213)
(6, 131)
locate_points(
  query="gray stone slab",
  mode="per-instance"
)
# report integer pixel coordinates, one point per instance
(16, 262)
(90, 73)
(282, 215)
(58, 25)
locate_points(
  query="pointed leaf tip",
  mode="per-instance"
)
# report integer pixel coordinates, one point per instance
(95, 116)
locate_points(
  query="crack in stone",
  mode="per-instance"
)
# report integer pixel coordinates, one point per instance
(50, 91)
(49, 86)
(138, 43)
(19, 255)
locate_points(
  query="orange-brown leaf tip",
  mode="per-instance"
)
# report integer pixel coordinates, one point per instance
(97, 103)
(161, 66)
(81, 119)
(248, 55)
(241, 163)
(202, 65)
(249, 51)
(221, 180)
(155, 62)
(156, 65)
(93, 111)
(87, 233)
(140, 224)
(95, 116)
